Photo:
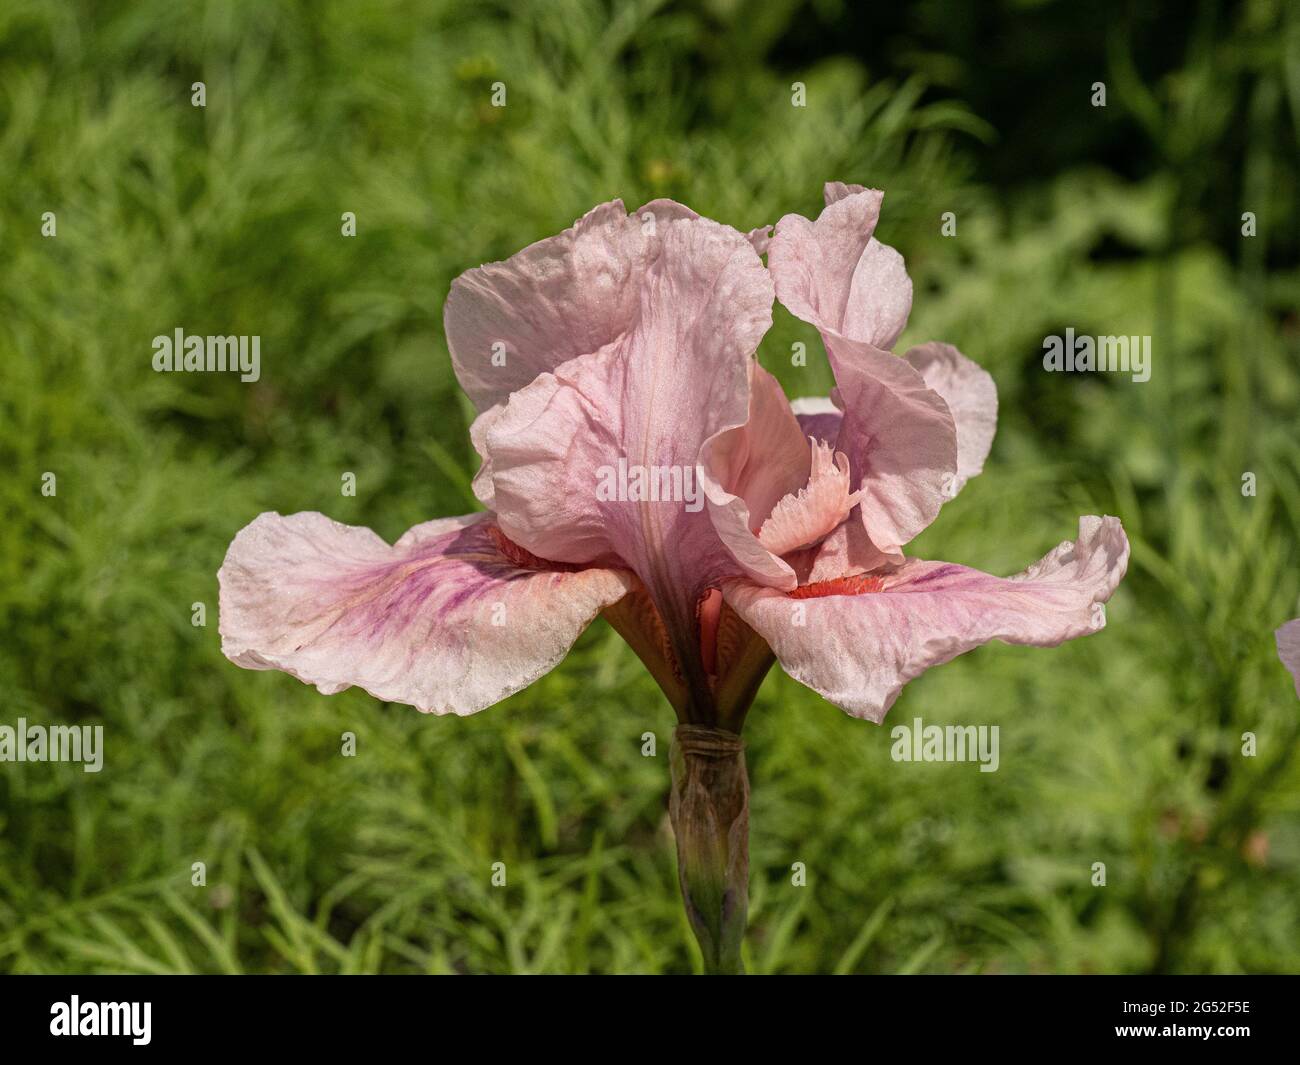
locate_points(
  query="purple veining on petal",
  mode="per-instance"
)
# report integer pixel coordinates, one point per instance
(940, 572)
(443, 619)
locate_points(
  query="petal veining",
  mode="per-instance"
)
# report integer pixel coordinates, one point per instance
(444, 619)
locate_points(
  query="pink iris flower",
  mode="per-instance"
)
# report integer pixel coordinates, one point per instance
(632, 336)
(638, 461)
(1288, 649)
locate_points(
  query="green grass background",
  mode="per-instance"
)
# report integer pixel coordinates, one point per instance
(1122, 748)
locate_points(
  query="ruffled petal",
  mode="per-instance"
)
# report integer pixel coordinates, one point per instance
(450, 619)
(835, 275)
(482, 483)
(901, 445)
(569, 450)
(805, 517)
(568, 295)
(858, 640)
(665, 210)
(747, 470)
(972, 397)
(898, 434)
(1288, 649)
(760, 238)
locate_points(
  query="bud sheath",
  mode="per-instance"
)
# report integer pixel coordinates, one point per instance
(709, 808)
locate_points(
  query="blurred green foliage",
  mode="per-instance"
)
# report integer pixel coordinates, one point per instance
(1122, 748)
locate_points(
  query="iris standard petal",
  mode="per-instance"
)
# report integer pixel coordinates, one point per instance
(583, 457)
(901, 444)
(898, 434)
(568, 295)
(835, 275)
(972, 398)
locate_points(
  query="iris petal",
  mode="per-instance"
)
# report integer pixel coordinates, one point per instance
(445, 619)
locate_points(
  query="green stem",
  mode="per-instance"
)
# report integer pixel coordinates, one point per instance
(709, 809)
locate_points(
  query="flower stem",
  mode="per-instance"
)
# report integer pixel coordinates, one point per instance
(709, 808)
